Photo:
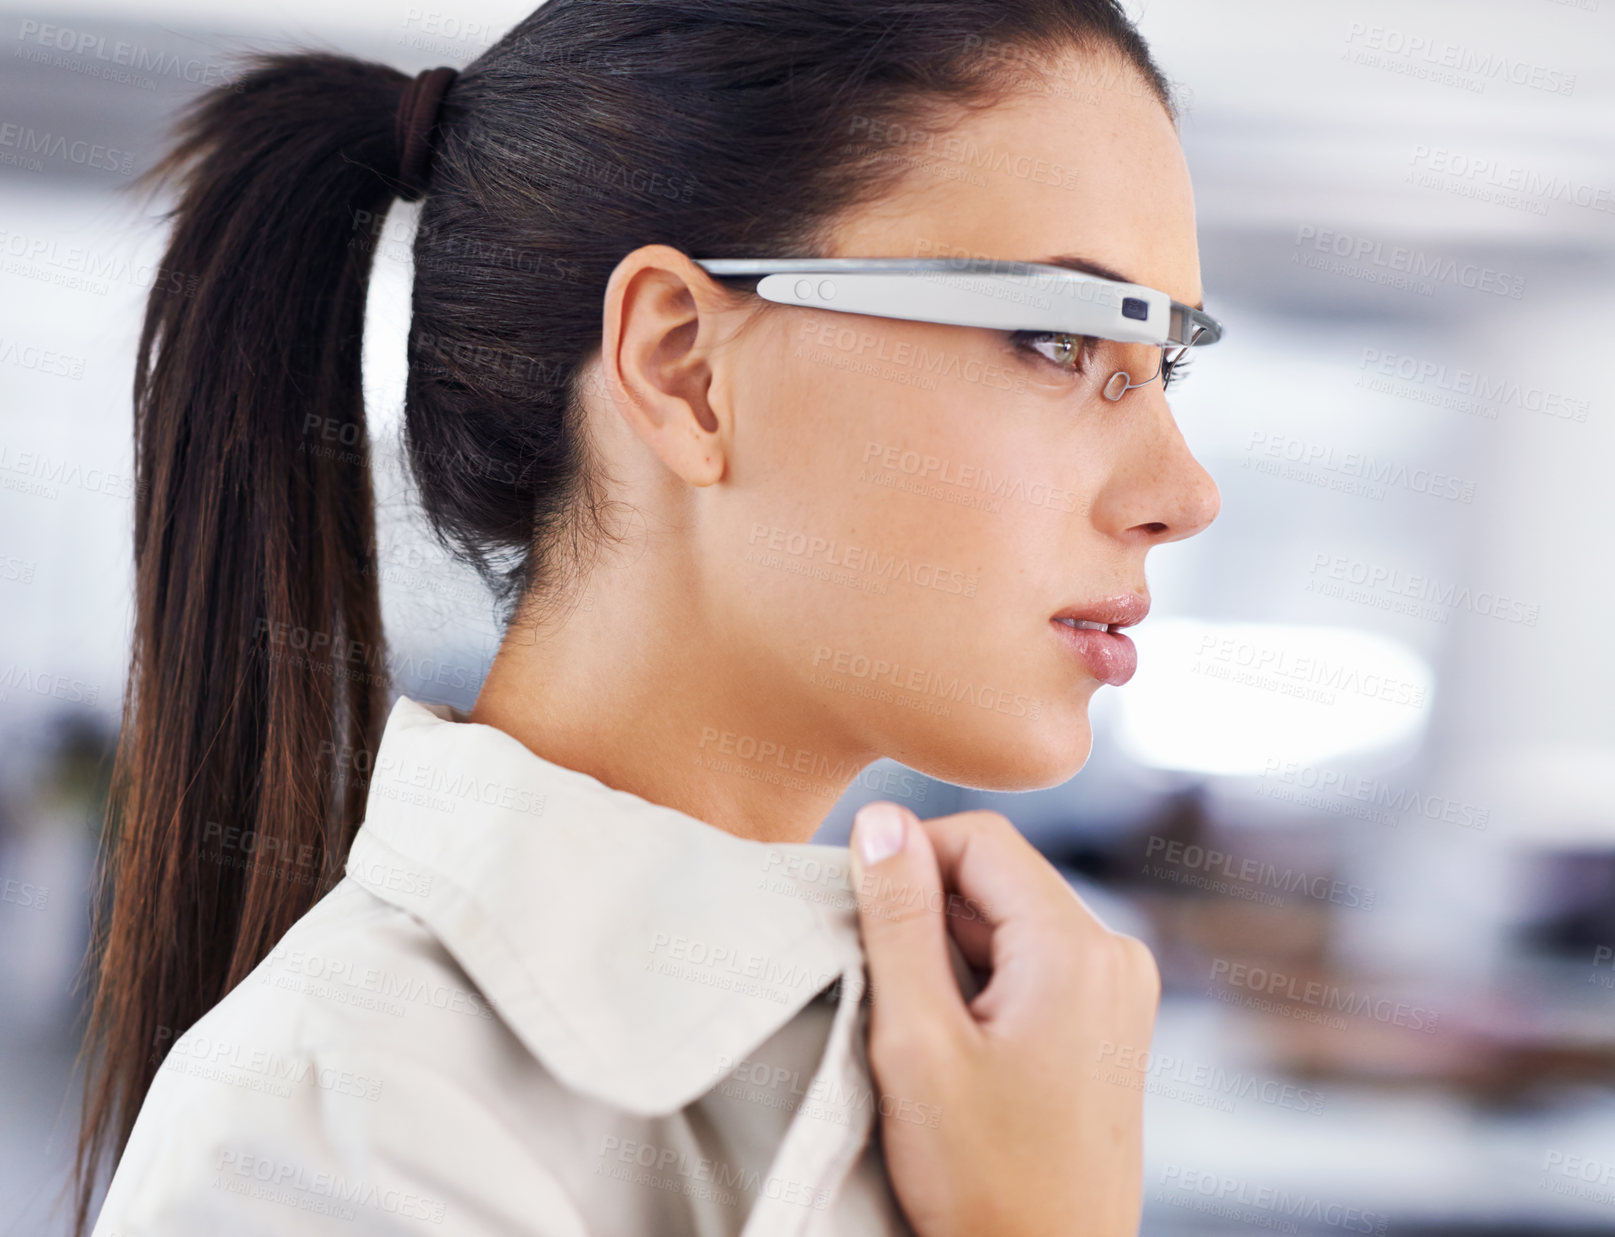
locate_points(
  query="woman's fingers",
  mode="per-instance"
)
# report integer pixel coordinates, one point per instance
(900, 905)
(997, 871)
(1025, 1130)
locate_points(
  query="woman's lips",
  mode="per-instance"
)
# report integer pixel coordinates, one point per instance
(1110, 656)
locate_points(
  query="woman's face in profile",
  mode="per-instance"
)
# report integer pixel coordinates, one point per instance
(908, 505)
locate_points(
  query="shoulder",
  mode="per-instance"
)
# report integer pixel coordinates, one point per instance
(354, 974)
(355, 1074)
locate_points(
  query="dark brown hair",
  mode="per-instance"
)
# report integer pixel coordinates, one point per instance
(725, 128)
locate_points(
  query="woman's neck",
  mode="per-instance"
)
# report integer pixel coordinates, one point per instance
(632, 687)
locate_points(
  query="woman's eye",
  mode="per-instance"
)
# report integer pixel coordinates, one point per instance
(1175, 372)
(1063, 350)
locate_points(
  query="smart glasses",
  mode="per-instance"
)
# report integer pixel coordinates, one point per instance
(1144, 329)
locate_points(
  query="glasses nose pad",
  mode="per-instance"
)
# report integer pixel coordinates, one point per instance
(1118, 385)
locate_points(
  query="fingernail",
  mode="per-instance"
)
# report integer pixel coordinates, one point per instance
(878, 831)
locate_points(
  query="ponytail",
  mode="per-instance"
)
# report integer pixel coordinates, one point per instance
(257, 669)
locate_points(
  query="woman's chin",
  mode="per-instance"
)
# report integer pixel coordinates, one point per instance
(1010, 753)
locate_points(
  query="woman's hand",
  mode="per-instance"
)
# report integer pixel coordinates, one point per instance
(1038, 1117)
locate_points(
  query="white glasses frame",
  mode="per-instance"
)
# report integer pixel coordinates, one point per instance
(985, 292)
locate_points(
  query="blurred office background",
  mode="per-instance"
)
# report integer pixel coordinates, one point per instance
(1361, 795)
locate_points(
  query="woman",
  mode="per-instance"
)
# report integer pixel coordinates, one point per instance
(580, 969)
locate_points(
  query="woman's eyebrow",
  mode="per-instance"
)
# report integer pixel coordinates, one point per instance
(1089, 267)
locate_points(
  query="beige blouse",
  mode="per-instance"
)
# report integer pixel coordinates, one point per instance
(534, 1005)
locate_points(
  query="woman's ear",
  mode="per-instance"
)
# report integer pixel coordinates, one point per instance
(664, 317)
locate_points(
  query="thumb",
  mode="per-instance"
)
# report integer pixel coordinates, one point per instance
(900, 903)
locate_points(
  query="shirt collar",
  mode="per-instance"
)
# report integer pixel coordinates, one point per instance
(637, 951)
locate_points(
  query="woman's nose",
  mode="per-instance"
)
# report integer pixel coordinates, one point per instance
(1158, 487)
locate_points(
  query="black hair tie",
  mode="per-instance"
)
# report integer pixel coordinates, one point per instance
(414, 126)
